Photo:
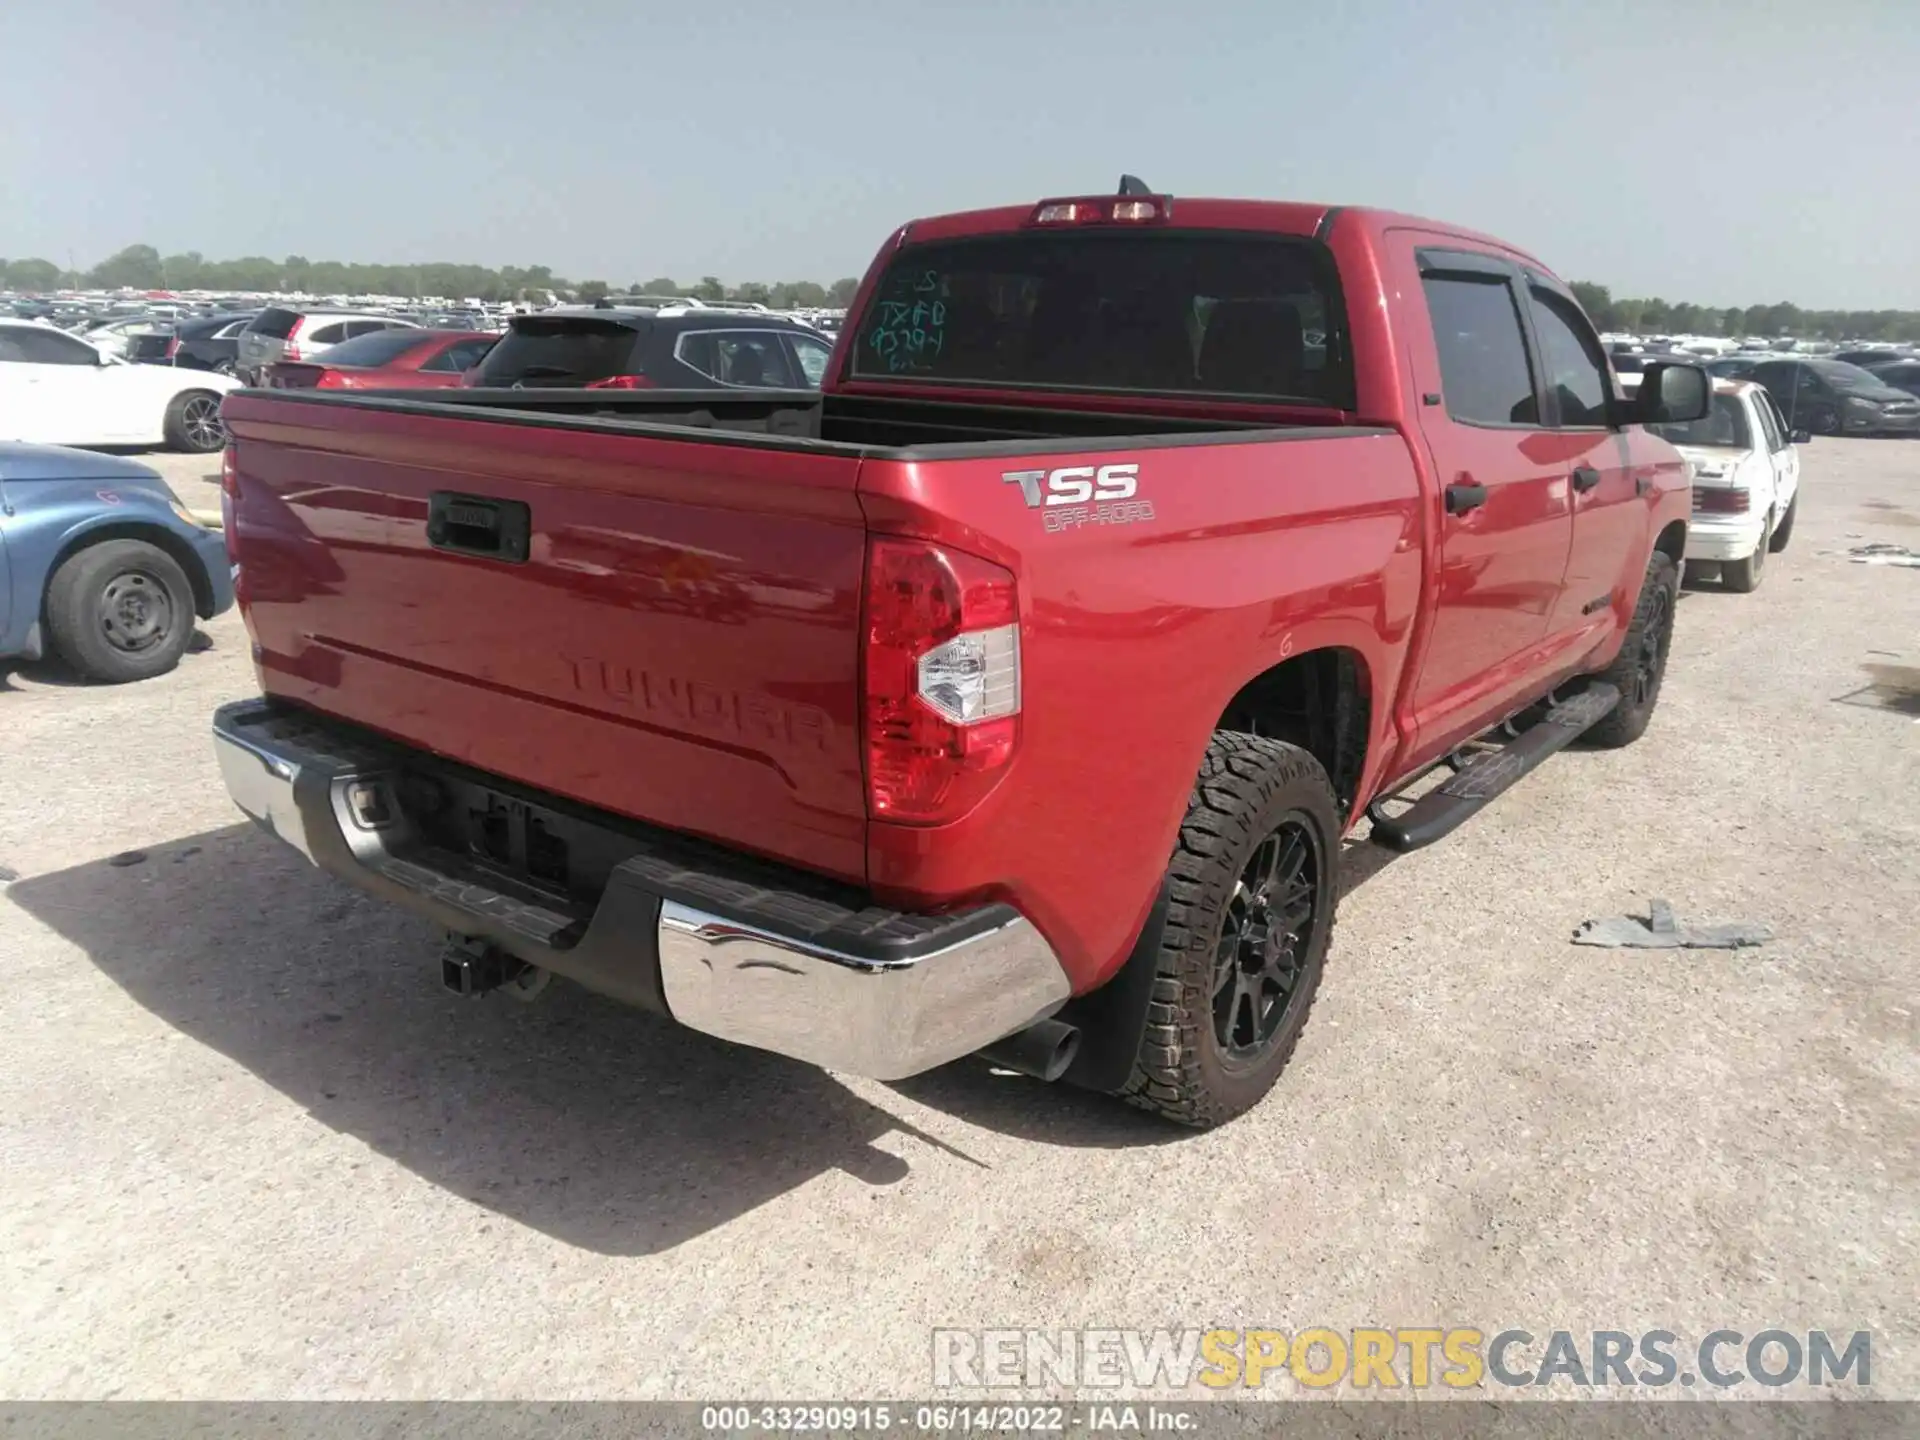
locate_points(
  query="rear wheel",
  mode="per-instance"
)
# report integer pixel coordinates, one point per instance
(193, 422)
(1743, 576)
(1825, 422)
(1783, 532)
(223, 367)
(1641, 666)
(1254, 881)
(120, 610)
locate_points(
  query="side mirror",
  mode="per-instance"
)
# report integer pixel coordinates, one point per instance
(1671, 394)
(1801, 437)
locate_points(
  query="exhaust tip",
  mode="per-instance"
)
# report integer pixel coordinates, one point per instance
(1045, 1050)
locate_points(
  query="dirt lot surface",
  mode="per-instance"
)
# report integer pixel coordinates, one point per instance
(250, 1148)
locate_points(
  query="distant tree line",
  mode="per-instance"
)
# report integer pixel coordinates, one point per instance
(141, 267)
(1658, 317)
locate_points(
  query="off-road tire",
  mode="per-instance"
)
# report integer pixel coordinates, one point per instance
(1743, 577)
(78, 595)
(1627, 721)
(1783, 532)
(1246, 788)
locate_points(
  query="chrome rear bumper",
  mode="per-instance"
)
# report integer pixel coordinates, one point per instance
(800, 969)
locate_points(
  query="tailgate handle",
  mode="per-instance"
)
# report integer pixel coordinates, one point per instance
(476, 525)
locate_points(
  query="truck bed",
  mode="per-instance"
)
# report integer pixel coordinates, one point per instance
(680, 641)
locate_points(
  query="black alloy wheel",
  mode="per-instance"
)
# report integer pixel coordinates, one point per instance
(1264, 932)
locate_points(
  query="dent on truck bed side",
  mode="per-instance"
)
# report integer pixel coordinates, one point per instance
(1142, 617)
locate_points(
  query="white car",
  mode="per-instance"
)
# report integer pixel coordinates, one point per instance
(1746, 480)
(59, 390)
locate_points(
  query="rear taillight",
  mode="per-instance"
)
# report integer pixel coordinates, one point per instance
(942, 680)
(173, 347)
(621, 382)
(229, 497)
(292, 351)
(1722, 502)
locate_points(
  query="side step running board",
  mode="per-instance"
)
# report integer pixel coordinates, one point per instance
(1444, 809)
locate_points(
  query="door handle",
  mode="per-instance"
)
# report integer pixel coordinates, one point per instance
(1585, 477)
(1462, 498)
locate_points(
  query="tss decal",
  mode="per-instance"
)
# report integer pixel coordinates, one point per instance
(1075, 484)
(1077, 495)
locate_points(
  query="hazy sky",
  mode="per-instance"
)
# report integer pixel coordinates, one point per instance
(1723, 151)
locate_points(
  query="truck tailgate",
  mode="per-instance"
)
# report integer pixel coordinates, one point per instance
(666, 629)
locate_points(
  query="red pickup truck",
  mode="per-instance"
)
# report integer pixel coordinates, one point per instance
(1014, 693)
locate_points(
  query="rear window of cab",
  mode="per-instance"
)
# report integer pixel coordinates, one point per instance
(1159, 312)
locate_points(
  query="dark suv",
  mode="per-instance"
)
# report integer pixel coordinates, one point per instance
(1830, 397)
(666, 349)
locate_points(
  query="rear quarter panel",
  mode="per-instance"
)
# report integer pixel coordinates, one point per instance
(1135, 637)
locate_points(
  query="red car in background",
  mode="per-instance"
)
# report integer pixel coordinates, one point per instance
(387, 360)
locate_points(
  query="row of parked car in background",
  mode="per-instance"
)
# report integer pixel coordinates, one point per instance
(76, 363)
(156, 374)
(1849, 390)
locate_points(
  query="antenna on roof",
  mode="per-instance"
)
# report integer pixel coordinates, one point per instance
(1134, 185)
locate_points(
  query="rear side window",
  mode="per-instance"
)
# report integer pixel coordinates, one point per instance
(813, 356)
(382, 347)
(1724, 426)
(1164, 312)
(275, 323)
(737, 357)
(560, 350)
(1483, 356)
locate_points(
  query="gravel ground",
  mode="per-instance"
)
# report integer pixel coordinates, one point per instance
(251, 1150)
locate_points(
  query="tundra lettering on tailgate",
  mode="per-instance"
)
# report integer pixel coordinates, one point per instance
(703, 706)
(1066, 495)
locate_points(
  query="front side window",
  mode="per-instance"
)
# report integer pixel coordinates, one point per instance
(1769, 430)
(30, 345)
(1484, 375)
(813, 357)
(1576, 373)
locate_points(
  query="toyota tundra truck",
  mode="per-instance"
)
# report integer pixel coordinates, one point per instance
(1016, 692)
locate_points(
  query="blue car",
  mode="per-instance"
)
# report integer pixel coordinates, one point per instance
(101, 564)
